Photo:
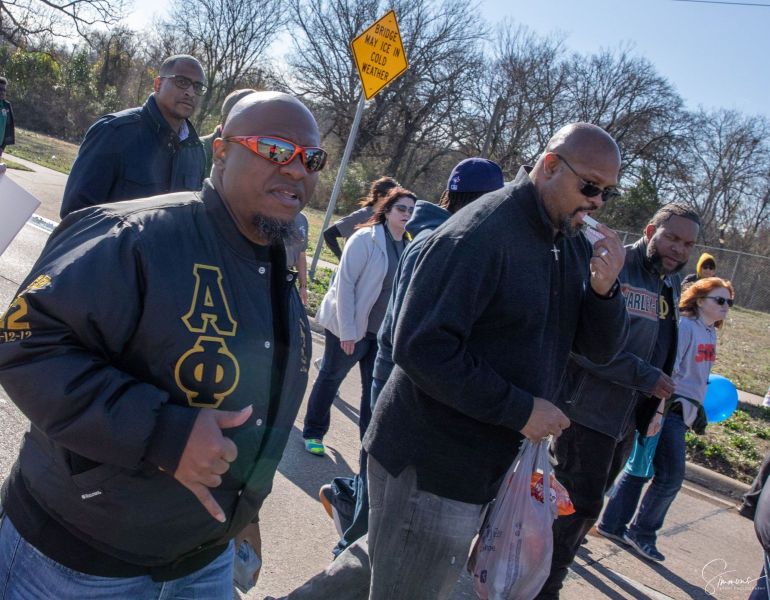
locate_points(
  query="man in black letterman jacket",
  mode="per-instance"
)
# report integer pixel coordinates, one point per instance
(160, 350)
(608, 403)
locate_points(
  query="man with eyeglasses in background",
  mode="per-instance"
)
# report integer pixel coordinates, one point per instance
(160, 349)
(608, 403)
(143, 151)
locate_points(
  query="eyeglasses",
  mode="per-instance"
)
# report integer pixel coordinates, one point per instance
(280, 151)
(721, 301)
(590, 189)
(183, 83)
(403, 209)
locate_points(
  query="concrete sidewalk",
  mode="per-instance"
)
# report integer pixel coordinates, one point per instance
(711, 551)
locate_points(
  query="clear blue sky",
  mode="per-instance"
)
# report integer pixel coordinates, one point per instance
(714, 55)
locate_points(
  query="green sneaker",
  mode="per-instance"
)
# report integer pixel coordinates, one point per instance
(315, 446)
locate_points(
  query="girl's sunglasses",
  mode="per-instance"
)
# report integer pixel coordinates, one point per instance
(280, 151)
(721, 301)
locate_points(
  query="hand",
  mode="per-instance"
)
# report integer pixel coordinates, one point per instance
(607, 260)
(664, 387)
(252, 535)
(544, 420)
(208, 455)
(347, 346)
(303, 295)
(655, 424)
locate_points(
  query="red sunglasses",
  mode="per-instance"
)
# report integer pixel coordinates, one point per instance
(280, 151)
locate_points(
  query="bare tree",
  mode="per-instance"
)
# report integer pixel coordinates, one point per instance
(625, 95)
(23, 20)
(724, 172)
(517, 102)
(229, 37)
(409, 124)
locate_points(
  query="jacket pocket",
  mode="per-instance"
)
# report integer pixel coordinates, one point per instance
(94, 479)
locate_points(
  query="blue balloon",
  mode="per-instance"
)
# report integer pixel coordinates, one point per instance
(721, 399)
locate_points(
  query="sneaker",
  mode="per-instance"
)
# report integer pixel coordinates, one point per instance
(748, 511)
(315, 446)
(326, 496)
(317, 362)
(615, 537)
(644, 549)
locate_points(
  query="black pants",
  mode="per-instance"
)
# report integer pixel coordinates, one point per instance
(589, 461)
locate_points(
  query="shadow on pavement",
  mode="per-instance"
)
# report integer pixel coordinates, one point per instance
(589, 572)
(310, 472)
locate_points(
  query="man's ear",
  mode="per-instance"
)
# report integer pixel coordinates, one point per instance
(218, 152)
(156, 83)
(550, 163)
(649, 231)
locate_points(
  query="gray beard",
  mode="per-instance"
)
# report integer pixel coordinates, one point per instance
(276, 231)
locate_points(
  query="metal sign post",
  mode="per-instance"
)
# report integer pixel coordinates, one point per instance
(338, 183)
(380, 58)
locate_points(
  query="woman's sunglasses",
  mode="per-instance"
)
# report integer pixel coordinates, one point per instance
(721, 301)
(280, 151)
(403, 209)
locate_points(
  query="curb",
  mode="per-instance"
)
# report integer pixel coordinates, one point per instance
(711, 480)
(715, 482)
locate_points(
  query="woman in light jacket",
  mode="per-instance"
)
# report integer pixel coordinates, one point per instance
(353, 308)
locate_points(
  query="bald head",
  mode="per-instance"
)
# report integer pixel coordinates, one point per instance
(253, 107)
(581, 139)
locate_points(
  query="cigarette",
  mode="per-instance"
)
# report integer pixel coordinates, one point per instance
(590, 221)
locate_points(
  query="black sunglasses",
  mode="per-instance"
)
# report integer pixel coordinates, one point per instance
(721, 301)
(183, 83)
(404, 209)
(590, 189)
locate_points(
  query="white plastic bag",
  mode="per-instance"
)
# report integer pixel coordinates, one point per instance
(513, 553)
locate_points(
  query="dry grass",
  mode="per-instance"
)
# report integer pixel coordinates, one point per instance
(743, 350)
(44, 150)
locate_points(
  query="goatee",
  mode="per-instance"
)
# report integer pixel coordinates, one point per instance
(276, 231)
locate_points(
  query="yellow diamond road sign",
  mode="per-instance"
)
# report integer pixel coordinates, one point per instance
(379, 55)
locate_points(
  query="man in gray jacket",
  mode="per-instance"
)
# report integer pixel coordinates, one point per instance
(606, 404)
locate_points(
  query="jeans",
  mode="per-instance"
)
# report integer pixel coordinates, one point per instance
(335, 366)
(418, 541)
(27, 573)
(346, 578)
(360, 495)
(625, 494)
(588, 462)
(669, 474)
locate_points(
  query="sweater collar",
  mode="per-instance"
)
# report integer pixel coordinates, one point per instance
(532, 207)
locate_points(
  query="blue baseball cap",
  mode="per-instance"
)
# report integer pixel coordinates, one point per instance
(475, 175)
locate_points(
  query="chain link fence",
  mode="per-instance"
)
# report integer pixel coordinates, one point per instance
(749, 273)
